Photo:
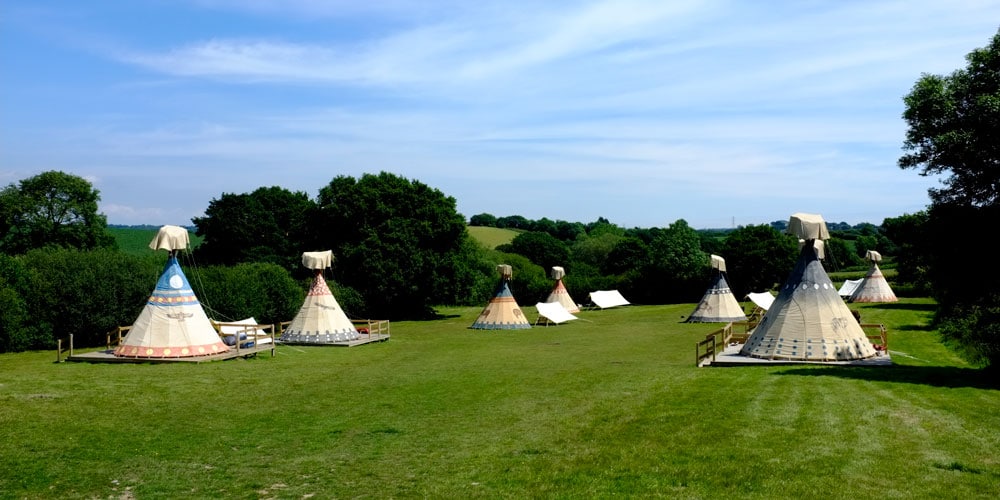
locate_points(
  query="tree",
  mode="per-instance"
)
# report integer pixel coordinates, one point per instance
(758, 258)
(541, 248)
(676, 270)
(52, 209)
(954, 122)
(396, 241)
(908, 232)
(484, 219)
(271, 224)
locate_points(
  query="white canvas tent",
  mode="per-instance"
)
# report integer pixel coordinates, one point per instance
(553, 312)
(762, 300)
(608, 298)
(873, 287)
(559, 293)
(502, 311)
(718, 305)
(808, 320)
(172, 324)
(848, 288)
(320, 320)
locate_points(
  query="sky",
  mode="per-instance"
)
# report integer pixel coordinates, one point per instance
(720, 113)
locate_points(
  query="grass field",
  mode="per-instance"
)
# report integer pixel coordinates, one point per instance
(135, 241)
(610, 405)
(491, 237)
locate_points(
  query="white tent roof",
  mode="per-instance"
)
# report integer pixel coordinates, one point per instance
(317, 260)
(608, 298)
(762, 300)
(554, 312)
(849, 286)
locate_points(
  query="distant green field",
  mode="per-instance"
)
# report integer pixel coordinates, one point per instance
(607, 406)
(136, 240)
(492, 237)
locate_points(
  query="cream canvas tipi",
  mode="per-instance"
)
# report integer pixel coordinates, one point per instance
(320, 320)
(173, 323)
(808, 320)
(873, 287)
(502, 311)
(718, 305)
(559, 293)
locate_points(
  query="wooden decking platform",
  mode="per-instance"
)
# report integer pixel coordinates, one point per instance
(364, 338)
(731, 357)
(107, 356)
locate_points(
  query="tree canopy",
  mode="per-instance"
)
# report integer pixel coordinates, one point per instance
(271, 224)
(758, 257)
(51, 209)
(954, 123)
(396, 241)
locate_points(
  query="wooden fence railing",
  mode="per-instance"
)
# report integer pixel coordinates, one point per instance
(738, 332)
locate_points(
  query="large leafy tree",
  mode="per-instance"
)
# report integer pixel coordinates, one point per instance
(758, 257)
(271, 224)
(953, 125)
(541, 248)
(399, 242)
(52, 209)
(676, 269)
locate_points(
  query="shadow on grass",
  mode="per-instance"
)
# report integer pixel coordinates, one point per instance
(906, 306)
(937, 376)
(915, 328)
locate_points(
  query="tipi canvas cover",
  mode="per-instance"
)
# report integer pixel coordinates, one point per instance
(718, 305)
(874, 287)
(320, 320)
(808, 320)
(502, 311)
(559, 293)
(173, 323)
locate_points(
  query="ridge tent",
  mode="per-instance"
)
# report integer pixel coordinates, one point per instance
(848, 288)
(808, 320)
(553, 312)
(172, 324)
(320, 320)
(873, 287)
(502, 311)
(718, 305)
(608, 298)
(559, 293)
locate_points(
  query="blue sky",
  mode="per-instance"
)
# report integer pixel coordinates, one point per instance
(643, 112)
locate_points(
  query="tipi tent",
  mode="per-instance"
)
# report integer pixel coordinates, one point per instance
(559, 293)
(502, 311)
(808, 321)
(874, 287)
(173, 323)
(718, 305)
(320, 320)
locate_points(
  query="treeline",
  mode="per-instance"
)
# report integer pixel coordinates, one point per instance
(400, 249)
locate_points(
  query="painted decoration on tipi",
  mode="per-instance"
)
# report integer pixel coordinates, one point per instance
(173, 323)
(808, 320)
(718, 305)
(502, 311)
(873, 287)
(320, 320)
(559, 293)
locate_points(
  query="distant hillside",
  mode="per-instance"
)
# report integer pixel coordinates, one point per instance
(135, 239)
(491, 237)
